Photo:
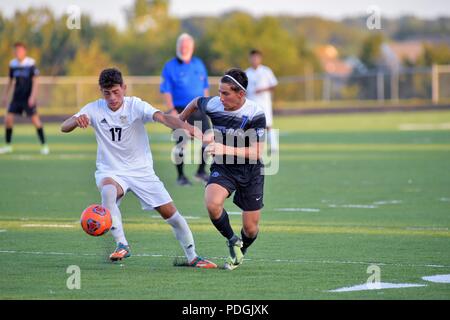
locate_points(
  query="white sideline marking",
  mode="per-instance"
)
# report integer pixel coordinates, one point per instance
(424, 126)
(186, 217)
(3, 230)
(445, 199)
(387, 202)
(439, 278)
(427, 228)
(47, 226)
(357, 206)
(234, 213)
(403, 265)
(379, 286)
(297, 210)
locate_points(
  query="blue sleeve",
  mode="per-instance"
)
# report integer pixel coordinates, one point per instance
(165, 86)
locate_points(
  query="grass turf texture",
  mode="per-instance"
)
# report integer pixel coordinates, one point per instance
(352, 190)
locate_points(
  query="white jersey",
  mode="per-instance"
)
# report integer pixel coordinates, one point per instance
(260, 78)
(123, 144)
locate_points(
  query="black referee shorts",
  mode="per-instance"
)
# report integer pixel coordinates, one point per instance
(245, 180)
(19, 107)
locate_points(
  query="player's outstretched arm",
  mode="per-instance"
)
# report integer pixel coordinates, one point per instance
(73, 122)
(190, 109)
(254, 152)
(176, 123)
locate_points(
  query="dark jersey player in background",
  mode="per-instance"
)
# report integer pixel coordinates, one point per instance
(184, 78)
(237, 147)
(23, 77)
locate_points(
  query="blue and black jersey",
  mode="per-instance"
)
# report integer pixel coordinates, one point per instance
(23, 72)
(237, 128)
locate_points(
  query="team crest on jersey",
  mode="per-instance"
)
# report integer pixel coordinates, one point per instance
(123, 119)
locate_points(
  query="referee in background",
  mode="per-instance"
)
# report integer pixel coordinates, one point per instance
(184, 78)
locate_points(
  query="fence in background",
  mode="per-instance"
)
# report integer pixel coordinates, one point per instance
(66, 95)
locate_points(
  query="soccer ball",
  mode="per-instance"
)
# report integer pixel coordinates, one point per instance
(96, 220)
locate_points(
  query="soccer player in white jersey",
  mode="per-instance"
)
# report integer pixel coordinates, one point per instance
(261, 83)
(124, 160)
(237, 146)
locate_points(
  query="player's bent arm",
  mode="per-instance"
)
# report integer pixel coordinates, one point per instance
(73, 122)
(175, 123)
(190, 109)
(253, 152)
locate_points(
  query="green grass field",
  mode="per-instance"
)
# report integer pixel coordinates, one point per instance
(351, 191)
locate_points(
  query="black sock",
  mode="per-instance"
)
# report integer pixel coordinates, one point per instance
(247, 242)
(223, 225)
(180, 170)
(201, 167)
(8, 135)
(41, 136)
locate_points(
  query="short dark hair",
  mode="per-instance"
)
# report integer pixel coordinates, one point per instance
(255, 51)
(237, 75)
(20, 44)
(109, 78)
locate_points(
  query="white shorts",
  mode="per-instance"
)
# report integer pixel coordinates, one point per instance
(148, 189)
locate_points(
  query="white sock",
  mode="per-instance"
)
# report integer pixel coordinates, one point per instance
(109, 196)
(183, 234)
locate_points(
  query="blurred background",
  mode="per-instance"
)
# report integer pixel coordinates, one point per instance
(358, 54)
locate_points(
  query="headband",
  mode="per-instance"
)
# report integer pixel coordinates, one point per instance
(240, 85)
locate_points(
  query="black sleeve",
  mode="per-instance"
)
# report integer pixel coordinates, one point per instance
(202, 103)
(259, 125)
(11, 73)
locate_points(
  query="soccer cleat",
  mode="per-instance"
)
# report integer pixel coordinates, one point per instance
(6, 149)
(122, 251)
(183, 181)
(236, 256)
(202, 263)
(45, 150)
(201, 177)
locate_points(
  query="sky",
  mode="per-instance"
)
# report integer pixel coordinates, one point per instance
(113, 10)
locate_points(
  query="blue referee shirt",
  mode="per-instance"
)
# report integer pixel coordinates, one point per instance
(185, 81)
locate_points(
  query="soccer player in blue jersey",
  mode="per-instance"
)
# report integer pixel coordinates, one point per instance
(237, 145)
(23, 77)
(184, 78)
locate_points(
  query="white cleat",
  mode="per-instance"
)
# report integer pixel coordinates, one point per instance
(6, 149)
(45, 150)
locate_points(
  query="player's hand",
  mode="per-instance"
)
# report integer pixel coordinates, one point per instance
(208, 137)
(82, 121)
(216, 149)
(197, 133)
(31, 102)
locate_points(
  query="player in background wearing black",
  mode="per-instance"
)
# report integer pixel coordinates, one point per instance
(23, 77)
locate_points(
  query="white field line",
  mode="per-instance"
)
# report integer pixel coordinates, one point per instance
(439, 278)
(297, 209)
(424, 126)
(290, 261)
(378, 286)
(37, 225)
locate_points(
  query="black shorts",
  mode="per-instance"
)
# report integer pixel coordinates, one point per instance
(246, 180)
(19, 107)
